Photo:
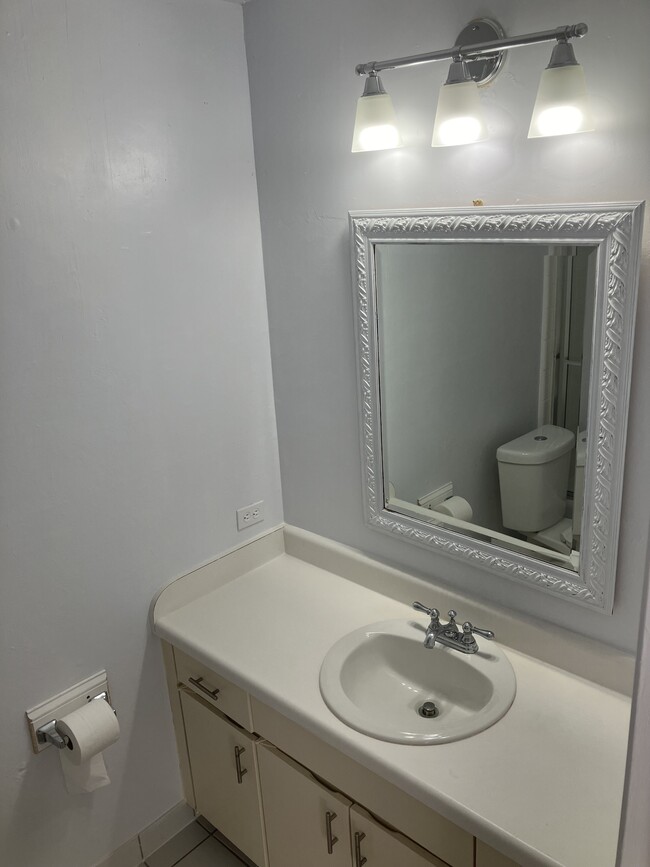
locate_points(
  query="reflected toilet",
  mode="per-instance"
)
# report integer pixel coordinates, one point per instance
(533, 479)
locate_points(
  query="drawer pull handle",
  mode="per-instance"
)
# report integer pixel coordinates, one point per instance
(198, 683)
(331, 839)
(358, 857)
(240, 771)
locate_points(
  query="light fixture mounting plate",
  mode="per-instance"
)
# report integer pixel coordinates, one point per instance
(482, 69)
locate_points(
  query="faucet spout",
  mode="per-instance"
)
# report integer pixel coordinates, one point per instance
(433, 628)
(430, 639)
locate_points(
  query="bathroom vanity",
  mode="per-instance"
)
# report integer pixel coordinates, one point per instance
(288, 783)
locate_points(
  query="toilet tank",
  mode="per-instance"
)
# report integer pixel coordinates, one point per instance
(533, 478)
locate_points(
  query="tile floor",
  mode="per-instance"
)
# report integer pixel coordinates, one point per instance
(194, 846)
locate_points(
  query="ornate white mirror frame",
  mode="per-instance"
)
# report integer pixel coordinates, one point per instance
(615, 230)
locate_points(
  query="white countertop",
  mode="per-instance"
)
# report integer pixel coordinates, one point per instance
(543, 785)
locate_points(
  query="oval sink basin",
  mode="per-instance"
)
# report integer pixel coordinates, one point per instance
(382, 681)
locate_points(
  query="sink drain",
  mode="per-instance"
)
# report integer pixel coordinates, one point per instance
(428, 710)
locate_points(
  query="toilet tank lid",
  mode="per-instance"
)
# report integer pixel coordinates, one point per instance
(539, 446)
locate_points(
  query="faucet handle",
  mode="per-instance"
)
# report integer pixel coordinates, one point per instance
(469, 630)
(451, 628)
(433, 613)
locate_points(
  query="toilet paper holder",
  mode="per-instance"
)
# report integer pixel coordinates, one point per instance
(42, 719)
(48, 733)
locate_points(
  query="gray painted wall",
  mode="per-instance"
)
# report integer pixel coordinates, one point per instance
(301, 59)
(135, 378)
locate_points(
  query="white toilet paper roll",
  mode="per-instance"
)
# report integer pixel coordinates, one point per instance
(455, 507)
(88, 731)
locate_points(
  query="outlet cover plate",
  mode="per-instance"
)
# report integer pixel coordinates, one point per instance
(249, 515)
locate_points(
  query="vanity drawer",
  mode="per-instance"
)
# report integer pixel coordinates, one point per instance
(219, 692)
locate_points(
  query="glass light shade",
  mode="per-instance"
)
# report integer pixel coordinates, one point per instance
(459, 117)
(562, 104)
(375, 127)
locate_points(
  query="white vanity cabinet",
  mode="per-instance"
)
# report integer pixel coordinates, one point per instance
(312, 592)
(223, 762)
(260, 779)
(390, 804)
(306, 822)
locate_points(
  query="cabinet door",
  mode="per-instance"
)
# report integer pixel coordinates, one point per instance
(306, 823)
(226, 781)
(376, 846)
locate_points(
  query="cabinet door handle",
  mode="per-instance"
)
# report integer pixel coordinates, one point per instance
(331, 840)
(359, 860)
(198, 683)
(240, 771)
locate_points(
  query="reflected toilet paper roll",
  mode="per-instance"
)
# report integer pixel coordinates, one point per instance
(455, 507)
(88, 731)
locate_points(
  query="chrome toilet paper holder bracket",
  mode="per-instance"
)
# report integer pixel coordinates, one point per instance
(48, 733)
(42, 719)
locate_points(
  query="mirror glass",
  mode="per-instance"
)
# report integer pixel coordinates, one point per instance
(484, 371)
(494, 353)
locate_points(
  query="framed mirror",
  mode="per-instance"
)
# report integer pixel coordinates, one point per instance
(494, 358)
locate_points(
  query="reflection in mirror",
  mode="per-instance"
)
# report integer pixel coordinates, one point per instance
(484, 363)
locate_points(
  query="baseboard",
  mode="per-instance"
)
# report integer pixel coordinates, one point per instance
(155, 835)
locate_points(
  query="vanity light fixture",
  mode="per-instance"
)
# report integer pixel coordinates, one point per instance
(562, 104)
(459, 118)
(375, 127)
(477, 57)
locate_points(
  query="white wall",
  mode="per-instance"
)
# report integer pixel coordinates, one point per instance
(135, 382)
(448, 404)
(301, 63)
(634, 839)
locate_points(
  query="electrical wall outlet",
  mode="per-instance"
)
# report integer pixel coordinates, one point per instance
(249, 515)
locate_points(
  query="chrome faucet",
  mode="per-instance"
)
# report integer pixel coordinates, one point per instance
(448, 633)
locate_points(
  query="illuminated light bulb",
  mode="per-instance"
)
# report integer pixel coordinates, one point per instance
(460, 130)
(459, 117)
(378, 138)
(562, 104)
(375, 126)
(561, 120)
